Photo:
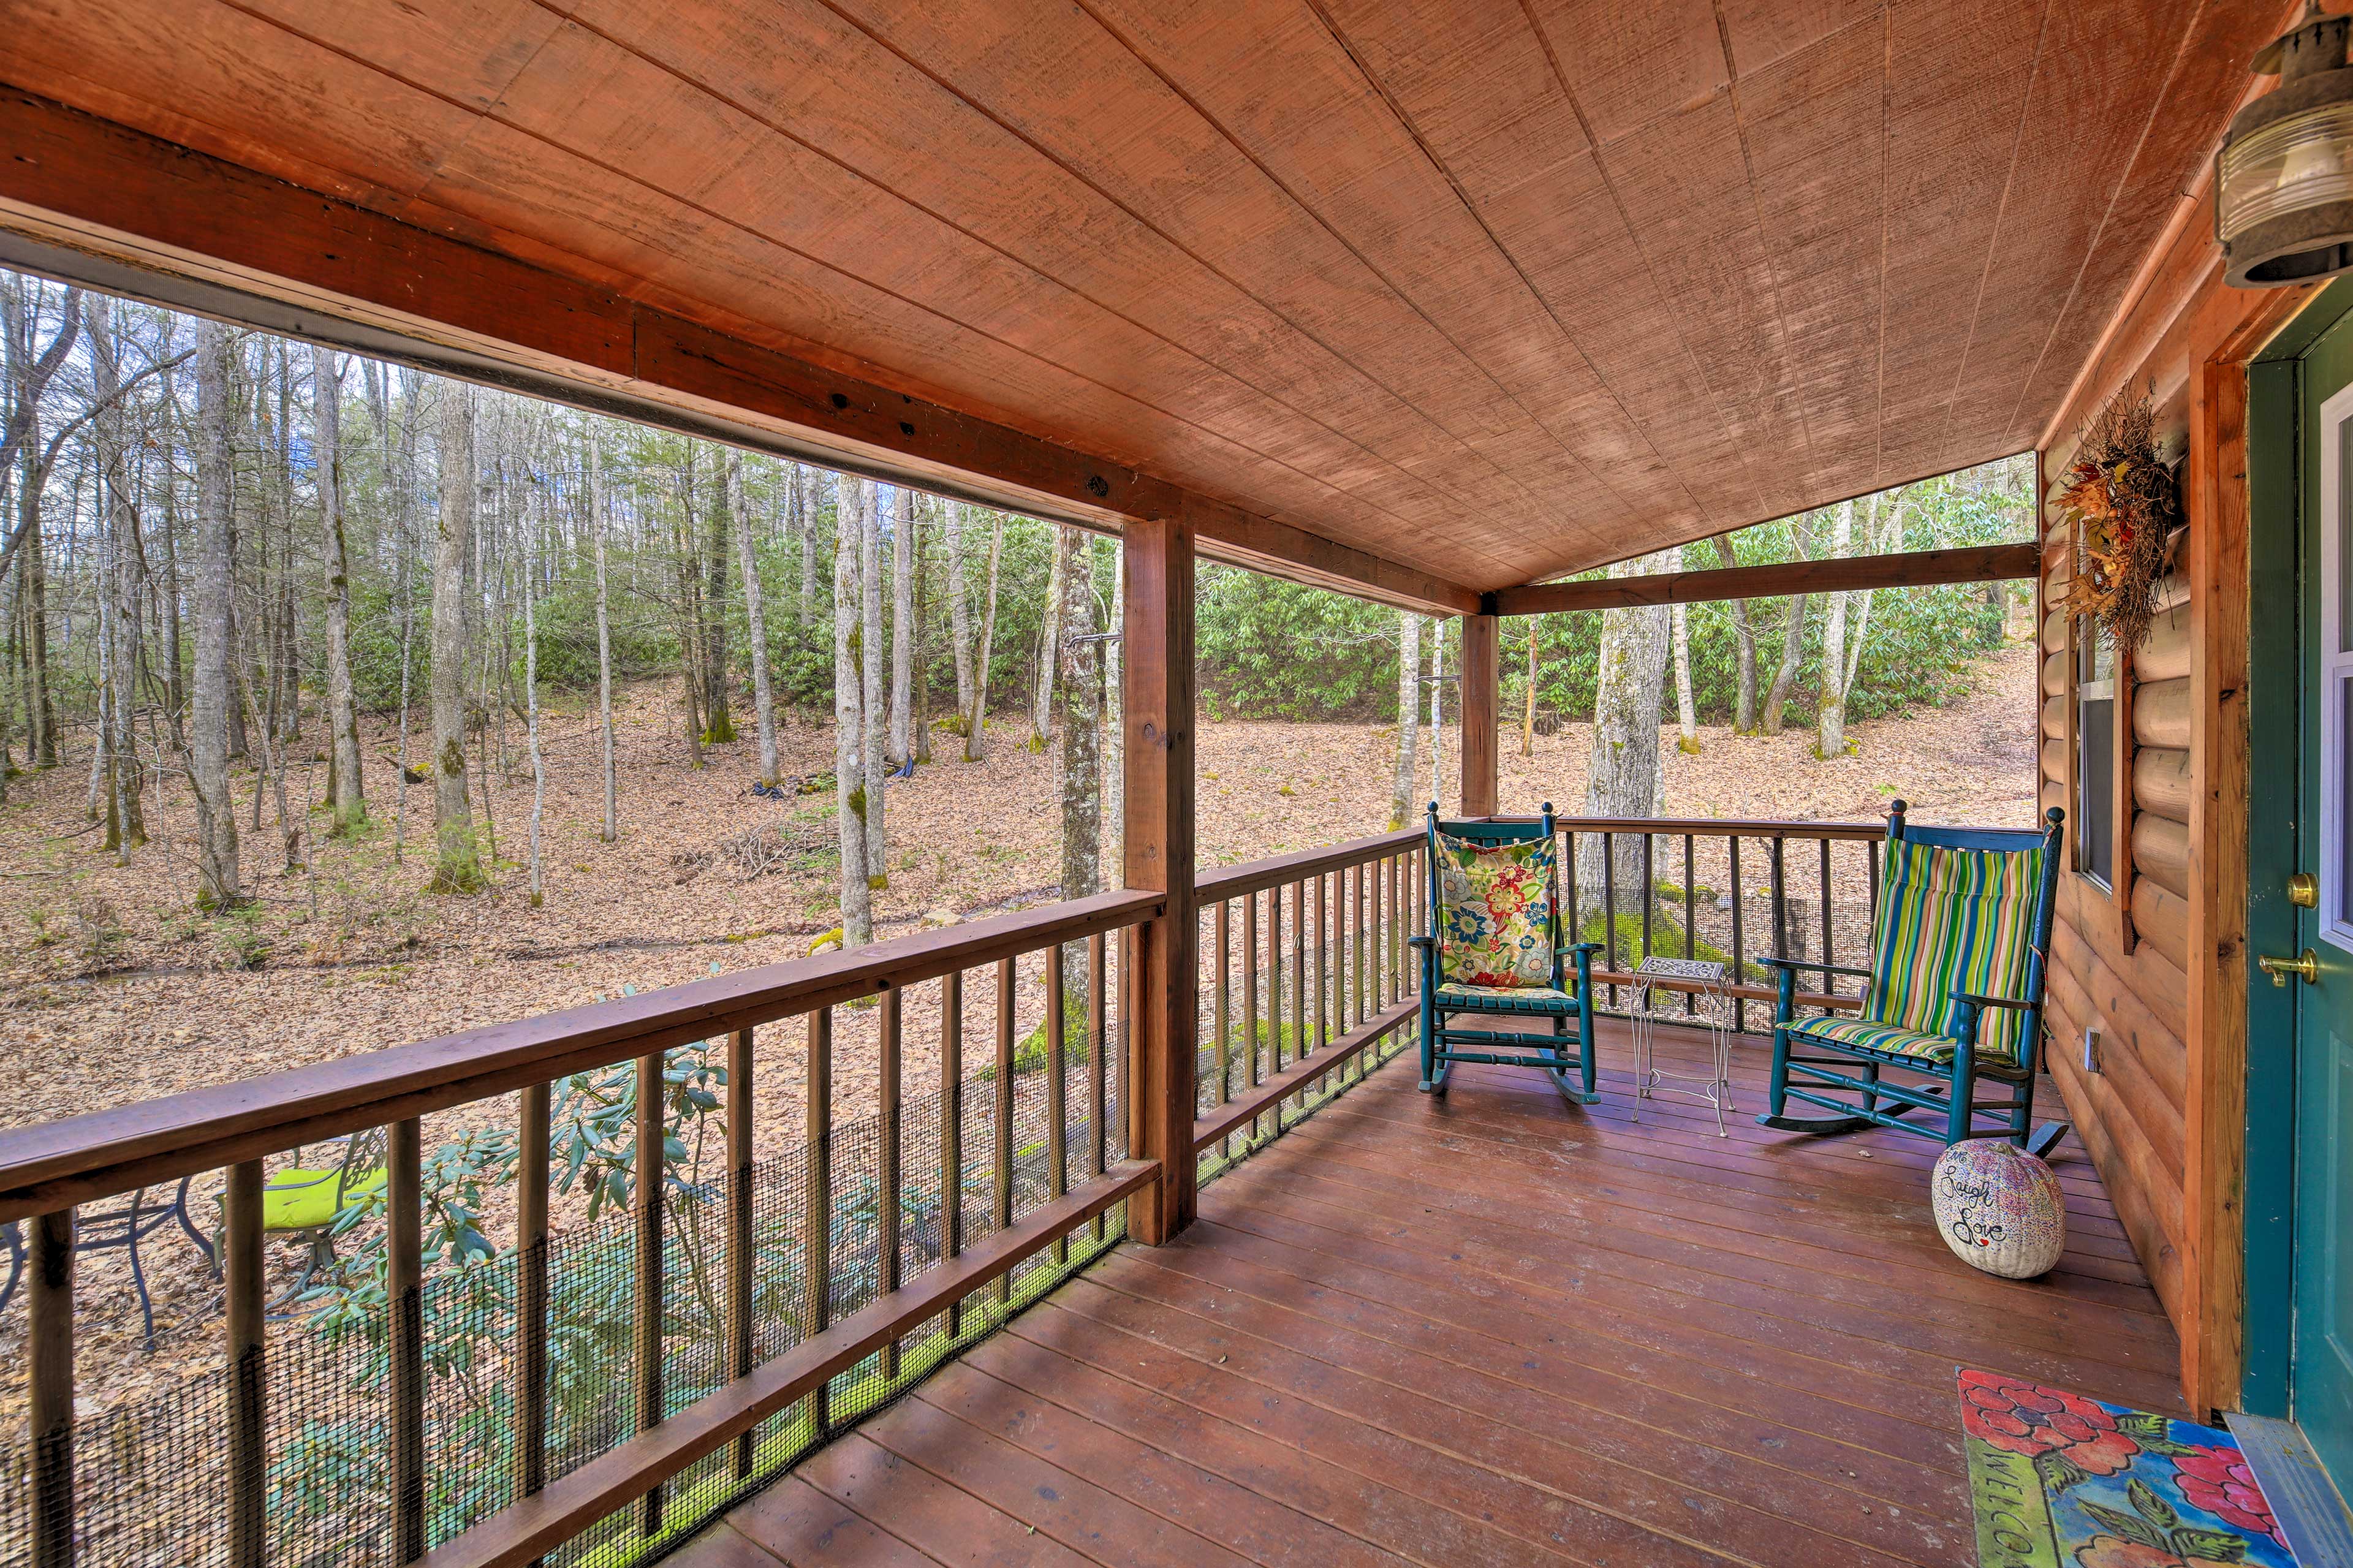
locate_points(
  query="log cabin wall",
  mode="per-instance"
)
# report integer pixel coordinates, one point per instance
(2156, 960)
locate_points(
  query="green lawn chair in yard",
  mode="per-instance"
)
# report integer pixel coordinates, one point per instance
(1494, 951)
(1955, 995)
(302, 1201)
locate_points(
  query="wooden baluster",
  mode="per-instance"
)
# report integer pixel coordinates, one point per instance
(242, 1264)
(1272, 1121)
(1058, 1162)
(740, 1261)
(1320, 1021)
(952, 1131)
(1223, 942)
(1573, 929)
(1610, 907)
(405, 1255)
(1369, 954)
(1828, 956)
(1649, 887)
(1001, 1154)
(1298, 989)
(1780, 898)
(1872, 846)
(886, 1160)
(652, 1101)
(1739, 950)
(816, 1213)
(49, 1329)
(1098, 1042)
(1249, 989)
(1690, 925)
(531, 1292)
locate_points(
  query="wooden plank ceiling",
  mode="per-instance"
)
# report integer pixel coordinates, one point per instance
(1495, 288)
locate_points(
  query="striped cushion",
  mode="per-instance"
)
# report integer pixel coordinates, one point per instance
(1503, 999)
(1881, 1039)
(1953, 919)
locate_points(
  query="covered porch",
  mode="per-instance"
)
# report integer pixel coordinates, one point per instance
(1436, 305)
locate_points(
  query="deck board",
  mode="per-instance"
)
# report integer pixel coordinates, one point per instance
(1494, 1328)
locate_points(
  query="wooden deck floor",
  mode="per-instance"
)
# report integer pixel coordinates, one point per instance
(1493, 1328)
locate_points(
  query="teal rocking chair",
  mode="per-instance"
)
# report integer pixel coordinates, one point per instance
(1955, 994)
(1494, 951)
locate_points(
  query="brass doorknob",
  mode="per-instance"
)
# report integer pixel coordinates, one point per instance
(2304, 963)
(2303, 891)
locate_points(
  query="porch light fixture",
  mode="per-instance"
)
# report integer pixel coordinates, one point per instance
(2284, 179)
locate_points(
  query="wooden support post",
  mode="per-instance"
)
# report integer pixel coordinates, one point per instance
(249, 1415)
(817, 1216)
(740, 1262)
(530, 1293)
(51, 1347)
(886, 1158)
(651, 1133)
(951, 1129)
(1481, 683)
(1157, 839)
(405, 1275)
(2213, 1309)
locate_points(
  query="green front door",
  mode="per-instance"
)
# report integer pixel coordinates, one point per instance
(2321, 1353)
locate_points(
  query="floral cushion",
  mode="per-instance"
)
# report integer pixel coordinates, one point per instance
(1495, 917)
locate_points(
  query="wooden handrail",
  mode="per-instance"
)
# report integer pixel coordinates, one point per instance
(1714, 827)
(114, 1151)
(1257, 876)
(1244, 1108)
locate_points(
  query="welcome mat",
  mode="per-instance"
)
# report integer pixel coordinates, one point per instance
(2061, 1481)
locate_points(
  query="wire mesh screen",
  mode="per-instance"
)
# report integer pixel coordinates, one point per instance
(152, 1483)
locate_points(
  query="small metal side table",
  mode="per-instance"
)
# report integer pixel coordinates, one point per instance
(1654, 1004)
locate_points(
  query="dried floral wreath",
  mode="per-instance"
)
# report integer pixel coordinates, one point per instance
(2123, 500)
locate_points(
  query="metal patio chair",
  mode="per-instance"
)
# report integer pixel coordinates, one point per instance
(301, 1202)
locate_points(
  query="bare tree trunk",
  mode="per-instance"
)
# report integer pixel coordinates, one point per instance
(1402, 802)
(1829, 714)
(1793, 640)
(599, 522)
(531, 722)
(903, 620)
(1622, 774)
(959, 608)
(346, 795)
(1049, 640)
(1743, 633)
(217, 886)
(1686, 711)
(1437, 709)
(755, 619)
(976, 717)
(806, 477)
(1529, 708)
(872, 717)
(1114, 703)
(1081, 756)
(849, 747)
(126, 828)
(457, 868)
(718, 721)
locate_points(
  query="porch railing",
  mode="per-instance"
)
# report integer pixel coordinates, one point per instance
(581, 1391)
(584, 1392)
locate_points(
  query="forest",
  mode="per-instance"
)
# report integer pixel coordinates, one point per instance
(261, 595)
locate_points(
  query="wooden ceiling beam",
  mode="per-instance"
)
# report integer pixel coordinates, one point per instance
(1919, 568)
(90, 201)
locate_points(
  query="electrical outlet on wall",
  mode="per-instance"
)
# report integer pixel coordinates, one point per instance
(2091, 1048)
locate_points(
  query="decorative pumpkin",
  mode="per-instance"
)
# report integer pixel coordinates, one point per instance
(1999, 1208)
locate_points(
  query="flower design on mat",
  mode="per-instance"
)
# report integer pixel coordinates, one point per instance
(2029, 1419)
(2217, 1479)
(2108, 1552)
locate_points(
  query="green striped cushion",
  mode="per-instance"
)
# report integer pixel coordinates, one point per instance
(1885, 1039)
(1954, 920)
